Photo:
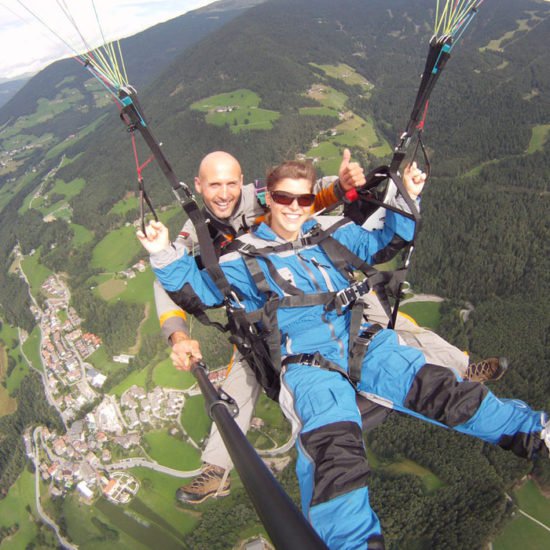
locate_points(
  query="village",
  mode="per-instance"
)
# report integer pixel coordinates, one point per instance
(103, 433)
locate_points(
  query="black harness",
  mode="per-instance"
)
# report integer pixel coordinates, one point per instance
(256, 334)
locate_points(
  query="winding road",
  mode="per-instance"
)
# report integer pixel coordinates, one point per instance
(64, 543)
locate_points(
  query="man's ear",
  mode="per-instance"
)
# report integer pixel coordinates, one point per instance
(198, 187)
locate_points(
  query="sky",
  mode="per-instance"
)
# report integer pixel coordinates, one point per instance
(26, 45)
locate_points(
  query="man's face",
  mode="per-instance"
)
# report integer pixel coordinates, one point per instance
(220, 185)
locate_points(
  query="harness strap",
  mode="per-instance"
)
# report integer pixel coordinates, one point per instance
(342, 258)
(314, 236)
(359, 349)
(331, 300)
(315, 360)
(253, 265)
(260, 349)
(358, 346)
(355, 362)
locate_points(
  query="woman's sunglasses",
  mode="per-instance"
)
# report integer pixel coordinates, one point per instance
(286, 199)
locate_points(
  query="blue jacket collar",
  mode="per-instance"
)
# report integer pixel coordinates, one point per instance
(265, 232)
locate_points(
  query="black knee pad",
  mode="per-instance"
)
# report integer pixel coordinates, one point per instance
(340, 460)
(437, 394)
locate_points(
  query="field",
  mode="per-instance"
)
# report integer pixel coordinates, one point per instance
(239, 109)
(194, 419)
(70, 189)
(7, 403)
(46, 110)
(17, 375)
(172, 452)
(151, 324)
(70, 141)
(318, 111)
(140, 289)
(497, 44)
(276, 431)
(7, 192)
(13, 510)
(328, 97)
(60, 208)
(346, 74)
(429, 479)
(353, 132)
(167, 376)
(137, 378)
(35, 272)
(80, 519)
(522, 529)
(125, 205)
(116, 250)
(538, 138)
(110, 289)
(426, 314)
(31, 347)
(102, 362)
(158, 491)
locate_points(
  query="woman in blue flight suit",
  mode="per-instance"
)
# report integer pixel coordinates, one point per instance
(316, 394)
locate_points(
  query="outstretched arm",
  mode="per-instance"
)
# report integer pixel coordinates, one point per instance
(185, 350)
(381, 245)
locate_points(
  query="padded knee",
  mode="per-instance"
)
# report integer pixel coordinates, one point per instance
(340, 460)
(437, 394)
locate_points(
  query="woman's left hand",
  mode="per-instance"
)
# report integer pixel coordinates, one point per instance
(414, 180)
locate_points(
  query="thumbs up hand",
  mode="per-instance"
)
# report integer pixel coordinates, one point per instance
(351, 174)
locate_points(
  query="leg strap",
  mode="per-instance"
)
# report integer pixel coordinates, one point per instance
(358, 346)
(315, 360)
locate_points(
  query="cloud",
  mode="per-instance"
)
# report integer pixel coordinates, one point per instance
(28, 46)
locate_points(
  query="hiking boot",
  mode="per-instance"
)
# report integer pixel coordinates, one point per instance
(490, 369)
(210, 483)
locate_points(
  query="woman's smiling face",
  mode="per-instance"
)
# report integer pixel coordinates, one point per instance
(287, 219)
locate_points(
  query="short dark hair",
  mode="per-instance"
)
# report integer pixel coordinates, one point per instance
(293, 169)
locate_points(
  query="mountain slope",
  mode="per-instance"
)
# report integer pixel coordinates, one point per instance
(9, 88)
(146, 54)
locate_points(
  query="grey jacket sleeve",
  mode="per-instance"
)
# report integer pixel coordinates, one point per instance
(172, 318)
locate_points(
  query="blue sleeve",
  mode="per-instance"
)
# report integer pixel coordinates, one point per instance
(366, 244)
(174, 268)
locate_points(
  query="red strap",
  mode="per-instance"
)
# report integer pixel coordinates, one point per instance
(139, 167)
(423, 120)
